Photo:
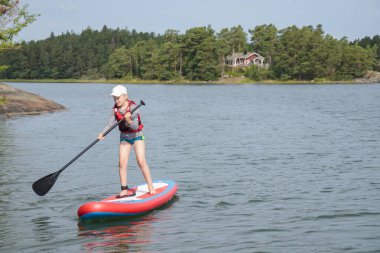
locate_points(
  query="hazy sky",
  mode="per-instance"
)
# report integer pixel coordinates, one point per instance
(351, 18)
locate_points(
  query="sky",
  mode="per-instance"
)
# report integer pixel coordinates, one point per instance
(353, 19)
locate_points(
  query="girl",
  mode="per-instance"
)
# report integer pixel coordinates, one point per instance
(131, 134)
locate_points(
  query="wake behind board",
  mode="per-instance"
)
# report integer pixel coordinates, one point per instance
(139, 204)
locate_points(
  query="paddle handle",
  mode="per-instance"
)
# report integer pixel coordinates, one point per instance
(96, 141)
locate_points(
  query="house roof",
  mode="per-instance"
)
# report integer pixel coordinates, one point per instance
(235, 56)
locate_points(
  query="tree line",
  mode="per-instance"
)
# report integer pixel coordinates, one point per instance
(293, 53)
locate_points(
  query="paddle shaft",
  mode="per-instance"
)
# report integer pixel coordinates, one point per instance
(96, 141)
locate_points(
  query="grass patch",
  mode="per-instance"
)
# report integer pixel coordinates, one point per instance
(3, 100)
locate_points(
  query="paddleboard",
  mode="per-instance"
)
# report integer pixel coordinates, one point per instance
(141, 203)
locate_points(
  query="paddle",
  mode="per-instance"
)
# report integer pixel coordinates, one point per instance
(44, 184)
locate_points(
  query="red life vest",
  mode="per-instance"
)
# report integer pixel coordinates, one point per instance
(122, 126)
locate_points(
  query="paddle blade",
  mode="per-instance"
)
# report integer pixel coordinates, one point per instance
(44, 184)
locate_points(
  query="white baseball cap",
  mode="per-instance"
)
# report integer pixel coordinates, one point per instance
(119, 90)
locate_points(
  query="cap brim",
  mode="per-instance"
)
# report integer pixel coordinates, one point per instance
(117, 94)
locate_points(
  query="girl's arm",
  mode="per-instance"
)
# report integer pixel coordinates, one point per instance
(111, 122)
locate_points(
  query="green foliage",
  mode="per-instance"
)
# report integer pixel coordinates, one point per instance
(294, 56)
(306, 53)
(372, 44)
(258, 74)
(3, 100)
(355, 62)
(13, 19)
(232, 40)
(294, 53)
(264, 40)
(72, 55)
(119, 63)
(169, 61)
(200, 54)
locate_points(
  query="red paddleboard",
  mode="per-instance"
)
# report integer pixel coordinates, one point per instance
(139, 204)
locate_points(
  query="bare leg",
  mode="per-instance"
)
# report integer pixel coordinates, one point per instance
(141, 161)
(124, 151)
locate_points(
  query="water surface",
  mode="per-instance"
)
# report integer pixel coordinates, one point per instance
(260, 168)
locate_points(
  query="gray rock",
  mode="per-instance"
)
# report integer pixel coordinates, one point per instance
(14, 101)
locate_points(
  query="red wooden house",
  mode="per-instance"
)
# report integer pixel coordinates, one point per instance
(244, 60)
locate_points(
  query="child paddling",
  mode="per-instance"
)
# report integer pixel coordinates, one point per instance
(131, 134)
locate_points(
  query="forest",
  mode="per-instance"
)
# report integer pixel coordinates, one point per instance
(293, 53)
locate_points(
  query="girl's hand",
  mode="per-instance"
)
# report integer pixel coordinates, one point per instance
(128, 118)
(100, 136)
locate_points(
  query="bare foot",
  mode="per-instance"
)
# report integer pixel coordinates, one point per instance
(152, 191)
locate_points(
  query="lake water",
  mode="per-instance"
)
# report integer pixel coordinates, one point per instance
(260, 168)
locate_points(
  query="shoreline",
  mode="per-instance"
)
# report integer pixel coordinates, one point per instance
(184, 82)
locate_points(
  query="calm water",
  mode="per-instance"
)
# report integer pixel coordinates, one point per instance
(260, 169)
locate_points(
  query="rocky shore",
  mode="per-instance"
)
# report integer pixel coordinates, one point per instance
(15, 102)
(370, 77)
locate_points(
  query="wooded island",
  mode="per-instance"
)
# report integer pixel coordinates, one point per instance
(200, 54)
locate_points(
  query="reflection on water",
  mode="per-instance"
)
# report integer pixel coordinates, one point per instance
(116, 236)
(43, 229)
(120, 234)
